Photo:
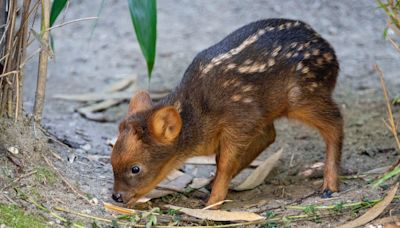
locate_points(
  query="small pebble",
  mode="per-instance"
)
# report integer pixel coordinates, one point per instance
(94, 201)
(13, 150)
(86, 211)
(86, 147)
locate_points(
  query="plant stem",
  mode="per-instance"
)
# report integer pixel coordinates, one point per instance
(43, 60)
(331, 207)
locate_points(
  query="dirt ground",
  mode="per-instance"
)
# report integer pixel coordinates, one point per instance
(354, 28)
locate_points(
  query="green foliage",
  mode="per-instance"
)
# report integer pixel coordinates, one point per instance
(339, 207)
(56, 8)
(386, 177)
(270, 224)
(310, 209)
(114, 224)
(144, 19)
(13, 216)
(396, 100)
(151, 217)
(45, 175)
(55, 11)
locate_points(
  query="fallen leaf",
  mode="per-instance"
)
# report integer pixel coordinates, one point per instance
(98, 96)
(374, 211)
(199, 182)
(102, 105)
(210, 160)
(118, 209)
(122, 84)
(260, 173)
(218, 215)
(175, 174)
(178, 183)
(386, 220)
(155, 193)
(315, 170)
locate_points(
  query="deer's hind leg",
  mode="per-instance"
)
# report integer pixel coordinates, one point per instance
(323, 114)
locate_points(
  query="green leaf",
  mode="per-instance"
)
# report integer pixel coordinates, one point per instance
(56, 8)
(114, 224)
(144, 19)
(385, 32)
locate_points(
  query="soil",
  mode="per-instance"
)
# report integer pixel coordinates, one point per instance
(89, 58)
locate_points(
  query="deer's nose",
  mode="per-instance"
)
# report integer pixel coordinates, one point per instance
(117, 197)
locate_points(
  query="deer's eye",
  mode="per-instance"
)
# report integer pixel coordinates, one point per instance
(135, 169)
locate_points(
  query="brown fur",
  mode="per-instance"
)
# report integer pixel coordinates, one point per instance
(226, 105)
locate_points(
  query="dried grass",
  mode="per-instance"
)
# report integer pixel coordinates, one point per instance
(13, 44)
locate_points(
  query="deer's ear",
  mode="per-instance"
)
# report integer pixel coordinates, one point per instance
(165, 124)
(141, 101)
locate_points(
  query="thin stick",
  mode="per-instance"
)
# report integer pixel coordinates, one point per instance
(53, 214)
(216, 204)
(331, 207)
(139, 225)
(29, 57)
(18, 179)
(17, 98)
(83, 215)
(392, 123)
(9, 73)
(70, 186)
(71, 22)
(394, 44)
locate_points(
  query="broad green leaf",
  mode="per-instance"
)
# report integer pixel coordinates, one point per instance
(56, 8)
(144, 19)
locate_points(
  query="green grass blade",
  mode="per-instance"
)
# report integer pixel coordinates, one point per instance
(144, 19)
(56, 8)
(95, 21)
(386, 177)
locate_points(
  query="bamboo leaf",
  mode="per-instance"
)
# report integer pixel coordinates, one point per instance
(260, 173)
(218, 215)
(144, 19)
(56, 8)
(373, 212)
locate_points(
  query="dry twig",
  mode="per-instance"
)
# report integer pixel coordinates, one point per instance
(70, 186)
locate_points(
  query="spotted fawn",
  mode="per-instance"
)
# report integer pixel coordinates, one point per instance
(226, 104)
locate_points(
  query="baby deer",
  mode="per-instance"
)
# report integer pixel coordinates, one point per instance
(226, 105)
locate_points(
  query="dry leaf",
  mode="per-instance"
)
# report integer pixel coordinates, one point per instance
(122, 84)
(387, 220)
(178, 184)
(155, 193)
(98, 96)
(118, 209)
(374, 211)
(210, 160)
(199, 182)
(218, 215)
(175, 174)
(99, 106)
(260, 173)
(315, 170)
